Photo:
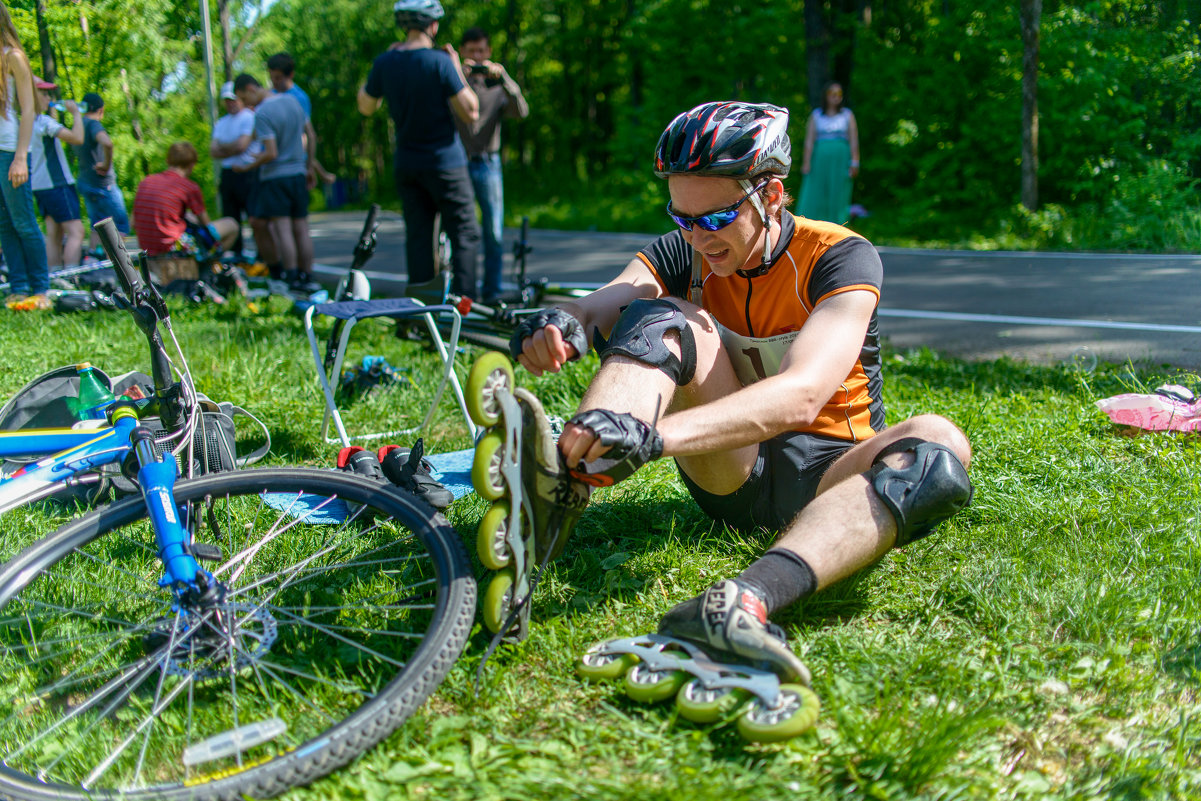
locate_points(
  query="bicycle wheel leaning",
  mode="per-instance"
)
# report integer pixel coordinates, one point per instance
(346, 604)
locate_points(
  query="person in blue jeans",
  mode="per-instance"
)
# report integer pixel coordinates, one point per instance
(97, 181)
(20, 236)
(500, 97)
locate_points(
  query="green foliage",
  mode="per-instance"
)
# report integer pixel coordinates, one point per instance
(935, 88)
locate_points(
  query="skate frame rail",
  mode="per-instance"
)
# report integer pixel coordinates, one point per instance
(659, 652)
(510, 470)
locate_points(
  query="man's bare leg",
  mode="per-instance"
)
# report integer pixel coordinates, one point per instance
(847, 527)
(646, 392)
(304, 246)
(285, 245)
(54, 242)
(73, 244)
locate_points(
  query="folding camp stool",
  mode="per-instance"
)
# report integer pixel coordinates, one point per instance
(350, 312)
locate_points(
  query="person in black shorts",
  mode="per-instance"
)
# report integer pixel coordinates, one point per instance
(423, 86)
(744, 344)
(282, 197)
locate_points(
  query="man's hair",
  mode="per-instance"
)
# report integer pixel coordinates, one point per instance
(181, 154)
(244, 80)
(474, 35)
(282, 62)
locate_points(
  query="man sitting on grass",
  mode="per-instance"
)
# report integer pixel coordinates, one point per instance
(169, 213)
(744, 344)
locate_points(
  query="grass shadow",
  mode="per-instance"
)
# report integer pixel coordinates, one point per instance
(1184, 659)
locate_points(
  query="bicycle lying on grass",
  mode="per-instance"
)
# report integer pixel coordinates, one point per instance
(225, 636)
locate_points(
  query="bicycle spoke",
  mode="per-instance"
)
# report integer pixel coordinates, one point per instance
(361, 630)
(346, 640)
(314, 572)
(151, 716)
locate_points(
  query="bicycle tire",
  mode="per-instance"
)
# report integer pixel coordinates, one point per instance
(331, 607)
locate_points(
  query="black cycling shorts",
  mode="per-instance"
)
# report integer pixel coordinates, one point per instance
(782, 483)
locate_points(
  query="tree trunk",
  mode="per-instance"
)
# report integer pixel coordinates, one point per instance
(135, 123)
(227, 45)
(1031, 13)
(49, 69)
(817, 50)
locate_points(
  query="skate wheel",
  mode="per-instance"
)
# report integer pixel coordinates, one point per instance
(498, 601)
(485, 467)
(648, 686)
(796, 714)
(701, 705)
(490, 542)
(597, 666)
(491, 372)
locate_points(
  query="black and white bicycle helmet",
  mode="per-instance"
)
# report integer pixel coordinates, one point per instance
(731, 139)
(417, 13)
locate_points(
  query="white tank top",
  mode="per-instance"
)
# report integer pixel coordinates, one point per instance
(8, 122)
(836, 126)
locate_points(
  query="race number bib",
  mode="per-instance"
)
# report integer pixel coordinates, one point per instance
(756, 358)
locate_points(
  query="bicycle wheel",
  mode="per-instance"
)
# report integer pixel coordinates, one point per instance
(347, 604)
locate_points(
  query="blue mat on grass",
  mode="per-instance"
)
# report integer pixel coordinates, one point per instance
(309, 508)
(452, 469)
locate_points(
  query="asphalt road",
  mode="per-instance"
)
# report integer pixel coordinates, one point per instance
(1038, 307)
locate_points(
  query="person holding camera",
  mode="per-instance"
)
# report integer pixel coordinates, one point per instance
(425, 89)
(500, 97)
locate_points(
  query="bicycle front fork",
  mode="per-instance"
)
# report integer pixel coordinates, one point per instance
(191, 583)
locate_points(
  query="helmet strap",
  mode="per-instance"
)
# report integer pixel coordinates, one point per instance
(747, 186)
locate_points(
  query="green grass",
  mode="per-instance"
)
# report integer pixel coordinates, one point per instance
(1045, 643)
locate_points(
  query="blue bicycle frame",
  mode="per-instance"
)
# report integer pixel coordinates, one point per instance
(71, 453)
(75, 452)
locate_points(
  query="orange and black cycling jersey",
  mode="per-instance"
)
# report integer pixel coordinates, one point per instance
(761, 313)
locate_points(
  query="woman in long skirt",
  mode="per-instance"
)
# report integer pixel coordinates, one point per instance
(831, 160)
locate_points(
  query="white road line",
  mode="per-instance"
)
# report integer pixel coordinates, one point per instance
(1057, 321)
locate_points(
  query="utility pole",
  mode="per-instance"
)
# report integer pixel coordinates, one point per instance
(210, 88)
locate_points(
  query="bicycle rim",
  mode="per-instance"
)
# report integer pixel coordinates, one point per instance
(347, 604)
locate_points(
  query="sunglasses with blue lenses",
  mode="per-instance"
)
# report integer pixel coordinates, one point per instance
(714, 220)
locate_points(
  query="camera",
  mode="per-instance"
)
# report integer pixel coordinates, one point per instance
(479, 69)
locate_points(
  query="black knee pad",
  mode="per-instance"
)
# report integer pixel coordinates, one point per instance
(926, 492)
(639, 334)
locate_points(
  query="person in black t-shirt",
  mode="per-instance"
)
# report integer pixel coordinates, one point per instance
(423, 86)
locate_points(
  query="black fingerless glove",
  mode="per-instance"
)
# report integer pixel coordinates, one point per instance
(632, 443)
(573, 332)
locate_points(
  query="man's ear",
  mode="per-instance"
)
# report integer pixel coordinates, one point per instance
(775, 196)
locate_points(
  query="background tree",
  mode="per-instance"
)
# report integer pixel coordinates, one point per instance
(1032, 11)
(937, 88)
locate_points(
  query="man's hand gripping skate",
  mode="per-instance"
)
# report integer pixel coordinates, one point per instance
(602, 447)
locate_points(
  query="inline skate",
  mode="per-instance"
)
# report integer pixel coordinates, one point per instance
(535, 502)
(720, 658)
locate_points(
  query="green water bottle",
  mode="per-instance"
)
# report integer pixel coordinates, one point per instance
(92, 394)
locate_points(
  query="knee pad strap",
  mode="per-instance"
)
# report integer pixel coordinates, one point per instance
(639, 334)
(926, 492)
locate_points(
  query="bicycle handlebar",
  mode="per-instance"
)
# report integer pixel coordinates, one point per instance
(366, 245)
(148, 309)
(114, 246)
